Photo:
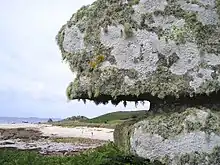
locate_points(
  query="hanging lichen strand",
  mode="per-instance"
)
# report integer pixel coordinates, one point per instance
(143, 50)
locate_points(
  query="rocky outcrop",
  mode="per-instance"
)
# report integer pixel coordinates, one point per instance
(22, 133)
(188, 137)
(143, 50)
(33, 139)
(47, 146)
(163, 51)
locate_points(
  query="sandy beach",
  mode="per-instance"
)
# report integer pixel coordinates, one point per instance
(56, 131)
(40, 137)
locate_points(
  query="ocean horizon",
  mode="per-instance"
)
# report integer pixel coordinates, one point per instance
(19, 120)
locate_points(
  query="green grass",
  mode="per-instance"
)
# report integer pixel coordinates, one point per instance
(109, 120)
(105, 155)
(116, 116)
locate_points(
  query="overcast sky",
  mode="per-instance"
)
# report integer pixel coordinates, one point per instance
(33, 78)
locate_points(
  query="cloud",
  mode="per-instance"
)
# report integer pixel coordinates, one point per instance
(31, 60)
(33, 78)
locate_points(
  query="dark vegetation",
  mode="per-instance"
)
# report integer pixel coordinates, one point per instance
(76, 118)
(105, 155)
(50, 120)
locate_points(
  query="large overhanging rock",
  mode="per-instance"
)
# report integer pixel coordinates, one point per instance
(191, 137)
(143, 50)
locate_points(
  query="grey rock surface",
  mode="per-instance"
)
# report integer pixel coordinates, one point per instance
(46, 147)
(192, 136)
(143, 50)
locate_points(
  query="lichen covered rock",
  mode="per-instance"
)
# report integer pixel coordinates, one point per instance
(163, 51)
(143, 50)
(188, 137)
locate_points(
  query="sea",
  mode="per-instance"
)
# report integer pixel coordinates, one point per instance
(18, 120)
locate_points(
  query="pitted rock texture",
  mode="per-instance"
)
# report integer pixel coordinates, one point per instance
(143, 50)
(189, 137)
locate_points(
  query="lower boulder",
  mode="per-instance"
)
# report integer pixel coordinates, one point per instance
(189, 137)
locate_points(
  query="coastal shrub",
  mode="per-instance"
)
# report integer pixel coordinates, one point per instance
(105, 155)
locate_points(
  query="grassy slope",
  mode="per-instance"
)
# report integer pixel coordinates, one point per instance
(109, 120)
(116, 116)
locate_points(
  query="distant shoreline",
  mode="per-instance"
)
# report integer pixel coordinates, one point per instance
(19, 120)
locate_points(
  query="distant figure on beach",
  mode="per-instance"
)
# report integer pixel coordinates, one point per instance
(92, 133)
